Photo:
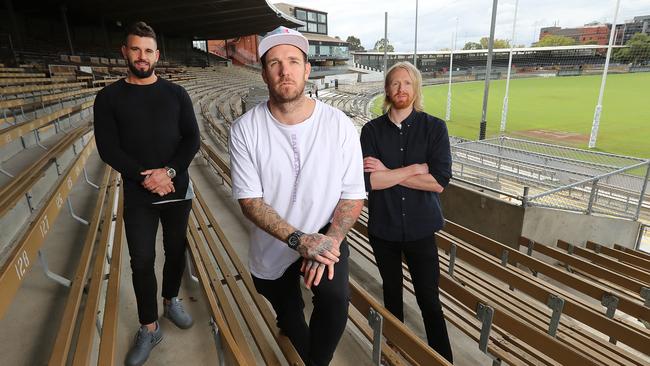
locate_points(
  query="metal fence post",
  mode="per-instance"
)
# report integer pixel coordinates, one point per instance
(642, 193)
(592, 196)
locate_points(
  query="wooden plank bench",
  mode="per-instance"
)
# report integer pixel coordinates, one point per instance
(23, 254)
(87, 329)
(514, 342)
(15, 132)
(15, 189)
(24, 81)
(634, 252)
(614, 265)
(641, 263)
(586, 268)
(537, 314)
(19, 90)
(573, 305)
(66, 331)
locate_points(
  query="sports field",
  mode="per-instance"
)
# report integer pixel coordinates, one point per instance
(553, 109)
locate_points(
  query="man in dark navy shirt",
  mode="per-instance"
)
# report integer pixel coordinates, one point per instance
(146, 129)
(407, 163)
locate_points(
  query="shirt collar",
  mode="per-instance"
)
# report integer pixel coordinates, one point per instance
(408, 121)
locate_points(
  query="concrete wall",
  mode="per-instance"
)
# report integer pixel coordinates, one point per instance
(548, 225)
(483, 213)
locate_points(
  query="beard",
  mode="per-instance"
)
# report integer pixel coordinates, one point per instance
(139, 73)
(402, 103)
(287, 94)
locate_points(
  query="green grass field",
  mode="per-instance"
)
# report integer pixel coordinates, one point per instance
(556, 104)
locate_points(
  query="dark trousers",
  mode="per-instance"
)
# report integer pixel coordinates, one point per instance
(315, 343)
(422, 259)
(141, 226)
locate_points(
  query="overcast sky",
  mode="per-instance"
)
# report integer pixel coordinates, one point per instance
(437, 19)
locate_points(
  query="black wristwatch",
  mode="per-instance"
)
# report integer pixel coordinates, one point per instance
(294, 239)
(171, 172)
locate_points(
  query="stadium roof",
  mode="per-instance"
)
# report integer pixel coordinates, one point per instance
(496, 50)
(197, 19)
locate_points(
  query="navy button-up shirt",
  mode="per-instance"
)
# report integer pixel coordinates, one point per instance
(399, 213)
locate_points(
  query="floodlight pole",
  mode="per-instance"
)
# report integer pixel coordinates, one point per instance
(385, 42)
(488, 72)
(454, 38)
(415, 45)
(599, 106)
(504, 111)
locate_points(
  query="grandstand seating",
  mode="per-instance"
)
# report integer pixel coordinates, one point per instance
(504, 300)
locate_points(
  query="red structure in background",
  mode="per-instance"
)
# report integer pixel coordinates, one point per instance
(241, 50)
(594, 33)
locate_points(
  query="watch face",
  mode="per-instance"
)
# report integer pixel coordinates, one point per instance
(294, 240)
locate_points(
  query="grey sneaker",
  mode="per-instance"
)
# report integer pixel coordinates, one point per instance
(174, 311)
(145, 341)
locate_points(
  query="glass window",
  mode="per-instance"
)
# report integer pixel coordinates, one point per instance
(322, 18)
(311, 16)
(302, 28)
(322, 28)
(301, 14)
(324, 50)
(312, 50)
(311, 27)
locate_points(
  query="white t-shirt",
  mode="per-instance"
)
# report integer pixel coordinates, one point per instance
(302, 171)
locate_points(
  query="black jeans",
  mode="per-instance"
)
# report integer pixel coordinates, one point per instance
(141, 226)
(422, 260)
(317, 342)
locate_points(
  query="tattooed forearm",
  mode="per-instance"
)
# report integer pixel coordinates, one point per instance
(266, 218)
(346, 214)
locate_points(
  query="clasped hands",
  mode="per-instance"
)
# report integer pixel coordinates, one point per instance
(158, 182)
(319, 252)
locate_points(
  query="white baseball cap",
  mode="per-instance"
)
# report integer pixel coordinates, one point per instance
(283, 35)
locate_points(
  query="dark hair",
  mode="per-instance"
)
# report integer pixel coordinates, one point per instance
(140, 29)
(263, 58)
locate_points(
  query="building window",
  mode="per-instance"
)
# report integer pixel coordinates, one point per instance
(322, 18)
(312, 28)
(322, 28)
(312, 50)
(324, 50)
(302, 28)
(311, 16)
(301, 14)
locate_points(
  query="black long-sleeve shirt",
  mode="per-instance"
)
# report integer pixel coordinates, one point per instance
(399, 213)
(140, 127)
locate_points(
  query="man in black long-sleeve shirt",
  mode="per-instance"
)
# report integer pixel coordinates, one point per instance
(145, 128)
(407, 162)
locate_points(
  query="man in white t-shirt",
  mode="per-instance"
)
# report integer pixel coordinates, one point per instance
(297, 171)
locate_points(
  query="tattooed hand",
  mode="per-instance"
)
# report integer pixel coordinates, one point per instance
(320, 248)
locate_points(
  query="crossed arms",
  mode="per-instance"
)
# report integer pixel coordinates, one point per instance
(318, 250)
(414, 176)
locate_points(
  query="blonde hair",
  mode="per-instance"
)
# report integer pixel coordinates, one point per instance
(416, 79)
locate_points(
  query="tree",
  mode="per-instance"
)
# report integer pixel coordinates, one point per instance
(472, 46)
(637, 50)
(554, 40)
(379, 45)
(355, 43)
(483, 44)
(498, 43)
